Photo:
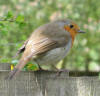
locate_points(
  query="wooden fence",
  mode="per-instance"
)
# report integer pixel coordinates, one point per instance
(46, 83)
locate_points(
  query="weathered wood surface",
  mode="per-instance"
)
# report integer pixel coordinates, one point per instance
(45, 83)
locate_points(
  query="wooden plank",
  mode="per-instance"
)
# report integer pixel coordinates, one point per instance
(46, 83)
(4, 66)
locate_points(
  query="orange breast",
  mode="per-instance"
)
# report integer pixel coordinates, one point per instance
(72, 32)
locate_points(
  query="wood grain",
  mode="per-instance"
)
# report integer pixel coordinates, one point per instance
(46, 83)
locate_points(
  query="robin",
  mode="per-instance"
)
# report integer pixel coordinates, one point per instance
(48, 44)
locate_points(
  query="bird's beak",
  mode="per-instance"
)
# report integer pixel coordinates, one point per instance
(80, 31)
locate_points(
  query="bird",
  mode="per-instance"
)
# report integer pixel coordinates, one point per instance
(48, 44)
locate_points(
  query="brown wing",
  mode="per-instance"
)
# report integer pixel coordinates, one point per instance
(41, 46)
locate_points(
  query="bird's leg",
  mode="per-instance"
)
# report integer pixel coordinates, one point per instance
(39, 67)
(59, 71)
(62, 70)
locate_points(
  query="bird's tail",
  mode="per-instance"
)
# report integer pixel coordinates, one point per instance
(12, 74)
(23, 61)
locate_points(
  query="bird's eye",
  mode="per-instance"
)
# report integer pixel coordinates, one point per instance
(71, 26)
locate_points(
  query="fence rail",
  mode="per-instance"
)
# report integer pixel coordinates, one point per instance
(46, 83)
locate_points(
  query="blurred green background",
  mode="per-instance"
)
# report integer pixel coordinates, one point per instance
(18, 18)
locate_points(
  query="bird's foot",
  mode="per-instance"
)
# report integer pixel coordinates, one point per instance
(40, 69)
(60, 71)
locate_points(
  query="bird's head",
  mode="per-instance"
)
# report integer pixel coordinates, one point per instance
(71, 27)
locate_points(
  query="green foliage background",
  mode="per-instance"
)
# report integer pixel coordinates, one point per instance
(18, 18)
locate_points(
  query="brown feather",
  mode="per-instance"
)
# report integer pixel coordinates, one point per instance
(21, 49)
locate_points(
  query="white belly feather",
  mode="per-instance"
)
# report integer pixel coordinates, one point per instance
(55, 55)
